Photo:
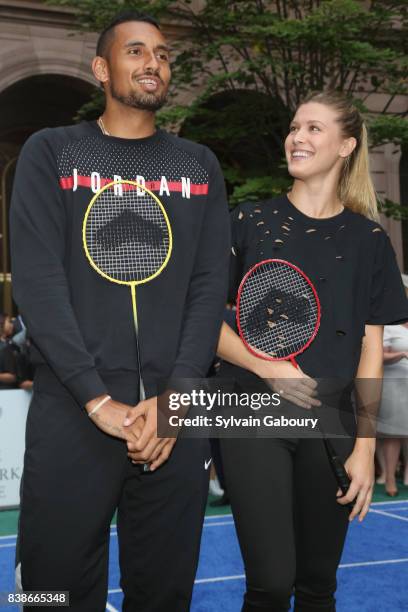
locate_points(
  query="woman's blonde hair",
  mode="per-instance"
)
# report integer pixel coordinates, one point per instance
(355, 189)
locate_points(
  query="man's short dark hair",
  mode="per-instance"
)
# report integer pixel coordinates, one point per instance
(106, 36)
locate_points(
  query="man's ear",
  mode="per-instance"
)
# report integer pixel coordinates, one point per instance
(100, 69)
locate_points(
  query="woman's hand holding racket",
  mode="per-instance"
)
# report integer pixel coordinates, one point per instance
(291, 383)
(360, 468)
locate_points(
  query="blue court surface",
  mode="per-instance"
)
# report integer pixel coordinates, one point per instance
(373, 575)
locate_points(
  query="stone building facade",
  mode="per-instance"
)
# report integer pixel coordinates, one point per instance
(45, 76)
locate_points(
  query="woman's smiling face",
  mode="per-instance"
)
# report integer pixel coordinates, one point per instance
(315, 144)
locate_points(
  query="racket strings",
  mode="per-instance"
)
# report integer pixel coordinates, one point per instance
(127, 235)
(278, 310)
(129, 227)
(278, 304)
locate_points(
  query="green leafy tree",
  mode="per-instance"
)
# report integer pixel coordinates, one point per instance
(250, 63)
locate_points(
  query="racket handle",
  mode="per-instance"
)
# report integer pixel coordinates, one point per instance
(339, 470)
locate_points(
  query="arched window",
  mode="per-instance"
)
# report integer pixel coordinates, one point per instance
(27, 106)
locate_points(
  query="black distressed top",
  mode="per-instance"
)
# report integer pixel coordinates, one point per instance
(348, 258)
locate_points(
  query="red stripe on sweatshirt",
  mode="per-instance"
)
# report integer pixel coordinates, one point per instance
(85, 181)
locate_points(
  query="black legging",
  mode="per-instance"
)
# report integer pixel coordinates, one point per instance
(290, 527)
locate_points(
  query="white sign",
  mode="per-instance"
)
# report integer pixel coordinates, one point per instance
(13, 414)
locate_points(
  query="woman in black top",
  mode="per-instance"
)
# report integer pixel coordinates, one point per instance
(291, 519)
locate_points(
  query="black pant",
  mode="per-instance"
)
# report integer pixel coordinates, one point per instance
(75, 477)
(290, 528)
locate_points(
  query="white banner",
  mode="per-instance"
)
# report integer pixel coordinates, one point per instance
(13, 414)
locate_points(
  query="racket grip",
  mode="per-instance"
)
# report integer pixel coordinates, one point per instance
(339, 471)
(341, 475)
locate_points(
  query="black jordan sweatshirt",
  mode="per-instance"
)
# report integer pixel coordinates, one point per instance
(81, 324)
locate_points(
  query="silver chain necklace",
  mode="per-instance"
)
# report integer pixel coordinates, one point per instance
(102, 127)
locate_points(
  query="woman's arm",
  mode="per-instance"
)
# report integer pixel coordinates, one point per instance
(360, 464)
(231, 348)
(281, 376)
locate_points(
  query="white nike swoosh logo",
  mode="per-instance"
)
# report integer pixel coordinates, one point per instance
(207, 464)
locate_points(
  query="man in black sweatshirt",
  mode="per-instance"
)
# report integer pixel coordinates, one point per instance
(77, 470)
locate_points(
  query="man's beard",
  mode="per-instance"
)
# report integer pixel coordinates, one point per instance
(148, 102)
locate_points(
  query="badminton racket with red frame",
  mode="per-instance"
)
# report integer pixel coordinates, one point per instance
(278, 317)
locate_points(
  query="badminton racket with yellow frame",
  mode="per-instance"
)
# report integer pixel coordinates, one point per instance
(127, 239)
